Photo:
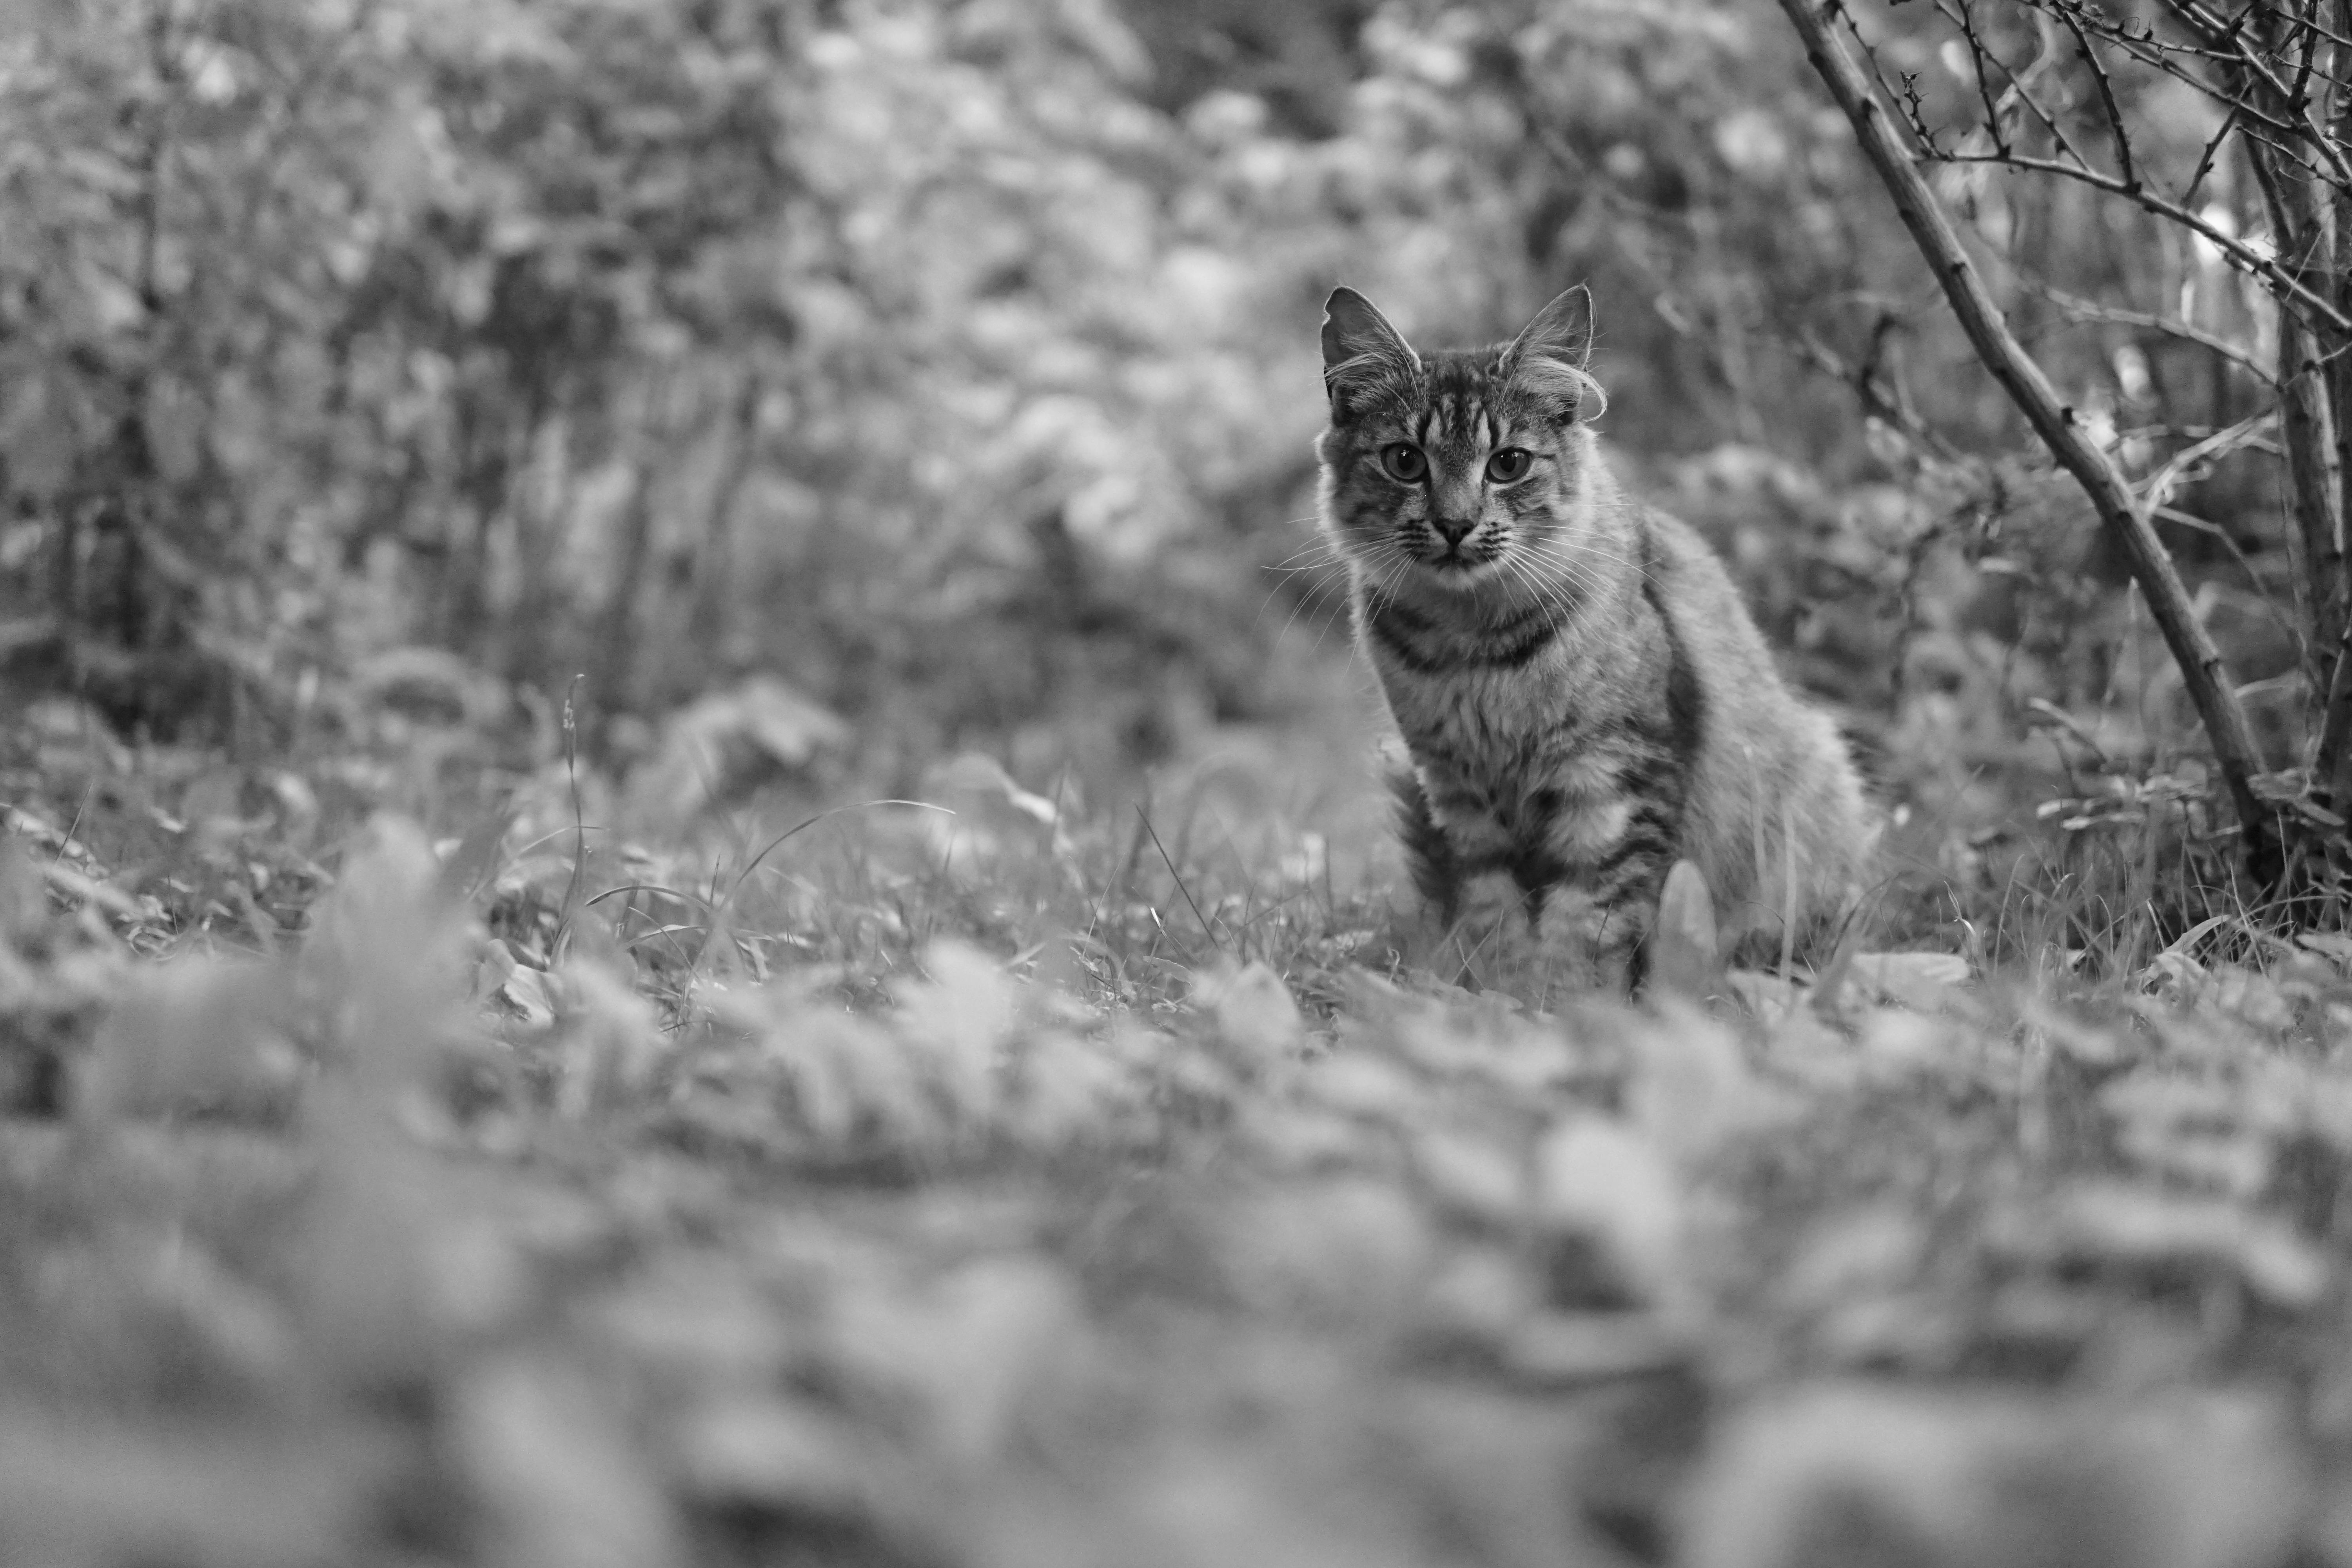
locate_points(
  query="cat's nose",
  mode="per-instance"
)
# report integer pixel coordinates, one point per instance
(1454, 530)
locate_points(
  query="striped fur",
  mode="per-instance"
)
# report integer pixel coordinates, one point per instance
(1582, 694)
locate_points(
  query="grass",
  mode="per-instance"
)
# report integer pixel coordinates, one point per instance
(1101, 1183)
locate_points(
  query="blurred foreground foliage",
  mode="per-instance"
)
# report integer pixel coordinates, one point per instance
(507, 1218)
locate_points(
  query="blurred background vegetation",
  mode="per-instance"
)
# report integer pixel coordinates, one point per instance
(395, 394)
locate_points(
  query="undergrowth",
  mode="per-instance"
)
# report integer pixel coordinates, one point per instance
(1046, 1182)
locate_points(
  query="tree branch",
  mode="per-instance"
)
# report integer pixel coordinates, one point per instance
(2307, 414)
(2086, 312)
(1980, 54)
(2106, 98)
(2283, 283)
(2293, 100)
(2192, 648)
(2332, 762)
(1958, 12)
(1884, 403)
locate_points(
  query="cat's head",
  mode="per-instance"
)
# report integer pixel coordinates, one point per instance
(1460, 469)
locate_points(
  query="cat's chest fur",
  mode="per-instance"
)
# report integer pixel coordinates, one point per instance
(1521, 728)
(1497, 705)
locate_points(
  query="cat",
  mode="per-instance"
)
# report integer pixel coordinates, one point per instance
(1582, 695)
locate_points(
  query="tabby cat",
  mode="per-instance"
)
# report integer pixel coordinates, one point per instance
(1584, 697)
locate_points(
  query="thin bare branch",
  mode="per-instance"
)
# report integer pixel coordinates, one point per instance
(1958, 12)
(1914, 112)
(1880, 400)
(2307, 416)
(2332, 762)
(2300, 99)
(2088, 311)
(1909, 96)
(2158, 56)
(2293, 101)
(2282, 283)
(2194, 460)
(2205, 162)
(2124, 165)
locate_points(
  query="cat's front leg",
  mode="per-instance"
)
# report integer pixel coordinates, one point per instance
(1588, 945)
(1595, 928)
(1463, 862)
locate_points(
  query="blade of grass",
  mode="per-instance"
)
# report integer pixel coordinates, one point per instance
(1181, 888)
(555, 947)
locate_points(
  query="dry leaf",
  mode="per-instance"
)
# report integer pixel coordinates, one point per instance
(2141, 1230)
(198, 1036)
(1690, 1086)
(611, 1041)
(954, 1025)
(1340, 1245)
(785, 1456)
(1921, 980)
(1355, 1082)
(1606, 1188)
(1563, 1350)
(1252, 1010)
(967, 1347)
(1471, 1176)
(1868, 1476)
(558, 1484)
(76, 1492)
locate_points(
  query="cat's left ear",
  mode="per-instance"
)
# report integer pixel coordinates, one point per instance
(1546, 362)
(1561, 330)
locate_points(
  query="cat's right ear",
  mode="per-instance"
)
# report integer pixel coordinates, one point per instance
(1362, 353)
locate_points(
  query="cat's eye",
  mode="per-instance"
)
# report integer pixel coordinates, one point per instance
(1405, 462)
(1508, 466)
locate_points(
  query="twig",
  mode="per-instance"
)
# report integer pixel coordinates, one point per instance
(2335, 754)
(2073, 726)
(1886, 404)
(579, 826)
(2246, 432)
(2088, 311)
(2307, 416)
(2295, 100)
(1961, 16)
(1956, 12)
(2107, 96)
(2281, 281)
(1918, 123)
(2205, 161)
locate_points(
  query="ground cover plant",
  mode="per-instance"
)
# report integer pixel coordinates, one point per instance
(689, 865)
(1054, 1191)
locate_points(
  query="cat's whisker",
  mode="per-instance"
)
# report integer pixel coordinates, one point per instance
(1321, 549)
(1315, 590)
(1304, 601)
(1578, 568)
(1584, 550)
(1563, 585)
(1548, 597)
